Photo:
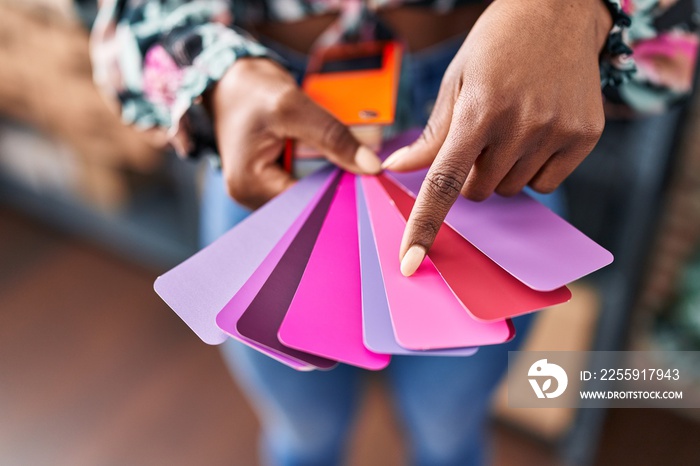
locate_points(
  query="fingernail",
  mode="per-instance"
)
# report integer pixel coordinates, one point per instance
(368, 161)
(412, 260)
(394, 157)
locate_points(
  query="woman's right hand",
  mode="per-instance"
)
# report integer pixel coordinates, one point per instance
(256, 107)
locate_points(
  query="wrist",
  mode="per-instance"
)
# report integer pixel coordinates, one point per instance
(256, 77)
(603, 22)
(593, 15)
(589, 20)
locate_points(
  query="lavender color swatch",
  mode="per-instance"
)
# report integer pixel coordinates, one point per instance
(198, 288)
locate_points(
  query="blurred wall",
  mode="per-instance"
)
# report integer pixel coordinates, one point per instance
(46, 83)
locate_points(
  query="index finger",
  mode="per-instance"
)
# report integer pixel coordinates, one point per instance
(439, 191)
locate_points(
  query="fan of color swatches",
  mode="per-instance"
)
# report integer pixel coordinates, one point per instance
(312, 278)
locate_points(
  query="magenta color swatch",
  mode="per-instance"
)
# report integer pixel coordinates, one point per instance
(325, 317)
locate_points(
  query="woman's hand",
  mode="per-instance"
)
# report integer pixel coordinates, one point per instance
(256, 107)
(520, 104)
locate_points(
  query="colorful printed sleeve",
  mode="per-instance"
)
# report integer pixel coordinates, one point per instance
(157, 59)
(649, 60)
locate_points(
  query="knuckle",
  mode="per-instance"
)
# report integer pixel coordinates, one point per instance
(477, 194)
(544, 186)
(587, 131)
(286, 102)
(444, 185)
(592, 130)
(236, 189)
(333, 134)
(426, 229)
(475, 109)
(234, 192)
(508, 191)
(543, 123)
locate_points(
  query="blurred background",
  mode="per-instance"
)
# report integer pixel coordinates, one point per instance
(96, 370)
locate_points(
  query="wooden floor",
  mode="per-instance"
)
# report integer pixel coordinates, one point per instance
(95, 370)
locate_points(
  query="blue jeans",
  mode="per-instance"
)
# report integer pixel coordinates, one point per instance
(442, 401)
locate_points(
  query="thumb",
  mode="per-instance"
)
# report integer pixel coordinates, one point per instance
(316, 127)
(422, 152)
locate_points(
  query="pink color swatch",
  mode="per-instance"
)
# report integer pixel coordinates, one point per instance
(424, 311)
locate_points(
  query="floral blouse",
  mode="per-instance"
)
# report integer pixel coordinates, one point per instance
(156, 58)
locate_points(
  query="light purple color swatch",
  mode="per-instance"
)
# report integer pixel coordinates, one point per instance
(377, 330)
(525, 238)
(198, 288)
(325, 316)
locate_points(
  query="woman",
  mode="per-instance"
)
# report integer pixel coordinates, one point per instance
(514, 88)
